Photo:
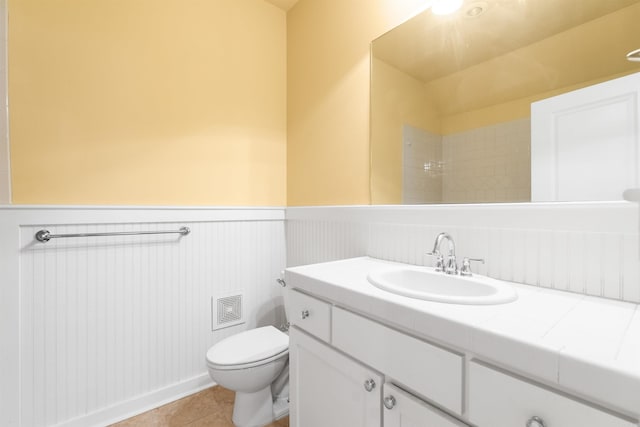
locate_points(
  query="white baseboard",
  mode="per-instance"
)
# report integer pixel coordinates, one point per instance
(140, 404)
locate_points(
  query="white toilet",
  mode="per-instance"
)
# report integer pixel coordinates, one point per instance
(254, 364)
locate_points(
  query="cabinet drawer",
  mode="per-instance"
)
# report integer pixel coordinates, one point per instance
(500, 400)
(310, 314)
(406, 410)
(431, 371)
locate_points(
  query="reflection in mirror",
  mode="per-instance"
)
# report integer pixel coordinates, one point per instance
(451, 95)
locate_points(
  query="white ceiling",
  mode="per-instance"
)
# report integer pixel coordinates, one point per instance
(283, 4)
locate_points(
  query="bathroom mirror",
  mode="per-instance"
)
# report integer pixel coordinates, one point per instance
(451, 95)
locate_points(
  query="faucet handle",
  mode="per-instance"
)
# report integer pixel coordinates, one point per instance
(465, 270)
(439, 260)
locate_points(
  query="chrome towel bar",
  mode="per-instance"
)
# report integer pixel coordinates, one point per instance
(44, 235)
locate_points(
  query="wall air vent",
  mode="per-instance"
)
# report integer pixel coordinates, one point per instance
(226, 311)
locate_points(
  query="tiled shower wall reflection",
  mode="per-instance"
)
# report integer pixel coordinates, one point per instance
(421, 166)
(489, 164)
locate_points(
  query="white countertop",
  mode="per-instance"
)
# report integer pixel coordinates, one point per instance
(585, 345)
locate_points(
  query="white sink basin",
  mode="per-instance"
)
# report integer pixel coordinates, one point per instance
(427, 284)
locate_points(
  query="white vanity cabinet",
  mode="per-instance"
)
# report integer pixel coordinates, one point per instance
(498, 399)
(345, 334)
(348, 370)
(330, 389)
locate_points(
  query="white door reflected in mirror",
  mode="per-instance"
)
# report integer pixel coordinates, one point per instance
(585, 143)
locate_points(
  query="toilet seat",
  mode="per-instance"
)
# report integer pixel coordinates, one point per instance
(248, 349)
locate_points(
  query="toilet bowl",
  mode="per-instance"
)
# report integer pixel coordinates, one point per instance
(254, 364)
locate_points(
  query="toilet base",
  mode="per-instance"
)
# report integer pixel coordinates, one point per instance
(253, 409)
(258, 409)
(280, 408)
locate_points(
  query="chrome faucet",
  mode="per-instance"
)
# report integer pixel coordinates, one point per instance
(450, 266)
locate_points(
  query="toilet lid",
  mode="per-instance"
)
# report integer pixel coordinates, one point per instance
(248, 347)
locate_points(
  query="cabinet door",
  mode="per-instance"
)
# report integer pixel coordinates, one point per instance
(328, 388)
(404, 410)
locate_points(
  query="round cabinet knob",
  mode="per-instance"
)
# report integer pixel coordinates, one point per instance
(369, 385)
(536, 422)
(305, 314)
(389, 402)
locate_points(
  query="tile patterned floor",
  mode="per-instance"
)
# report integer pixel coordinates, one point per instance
(209, 408)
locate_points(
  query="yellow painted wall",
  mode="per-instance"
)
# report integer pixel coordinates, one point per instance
(397, 99)
(147, 102)
(328, 96)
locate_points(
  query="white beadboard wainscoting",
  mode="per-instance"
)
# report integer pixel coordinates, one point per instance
(588, 248)
(96, 329)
